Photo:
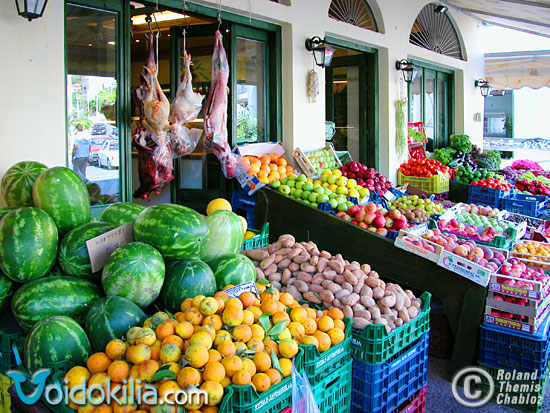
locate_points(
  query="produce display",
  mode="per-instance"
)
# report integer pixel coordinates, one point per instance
(517, 269)
(480, 210)
(493, 183)
(461, 153)
(375, 218)
(121, 213)
(368, 178)
(535, 252)
(413, 202)
(299, 268)
(17, 183)
(466, 174)
(268, 168)
(472, 231)
(482, 221)
(321, 160)
(423, 168)
(524, 168)
(534, 187)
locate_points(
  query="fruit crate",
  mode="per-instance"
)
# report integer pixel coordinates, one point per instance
(386, 386)
(434, 185)
(11, 336)
(481, 195)
(277, 398)
(333, 393)
(415, 403)
(507, 349)
(529, 205)
(5, 398)
(459, 192)
(305, 164)
(531, 398)
(245, 204)
(441, 335)
(258, 241)
(320, 365)
(374, 345)
(533, 259)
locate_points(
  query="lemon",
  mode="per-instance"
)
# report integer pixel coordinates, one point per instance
(216, 204)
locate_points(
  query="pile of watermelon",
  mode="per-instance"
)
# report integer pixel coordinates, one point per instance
(46, 277)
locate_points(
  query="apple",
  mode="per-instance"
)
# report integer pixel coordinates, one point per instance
(379, 221)
(382, 231)
(284, 189)
(369, 217)
(371, 207)
(353, 210)
(360, 215)
(400, 223)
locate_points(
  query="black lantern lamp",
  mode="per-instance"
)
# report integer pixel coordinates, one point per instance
(31, 9)
(322, 52)
(408, 70)
(483, 86)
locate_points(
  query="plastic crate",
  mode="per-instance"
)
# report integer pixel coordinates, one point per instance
(441, 335)
(530, 205)
(260, 240)
(533, 385)
(244, 204)
(326, 207)
(481, 195)
(386, 386)
(333, 393)
(11, 336)
(320, 365)
(504, 348)
(5, 398)
(277, 398)
(415, 403)
(434, 185)
(374, 345)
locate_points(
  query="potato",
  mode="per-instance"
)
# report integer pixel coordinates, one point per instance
(336, 266)
(347, 286)
(276, 246)
(415, 303)
(360, 323)
(340, 279)
(301, 286)
(318, 279)
(303, 276)
(352, 267)
(365, 268)
(276, 276)
(372, 282)
(294, 267)
(287, 240)
(285, 262)
(322, 264)
(359, 286)
(363, 314)
(326, 254)
(359, 274)
(373, 274)
(358, 307)
(350, 277)
(326, 295)
(337, 303)
(308, 268)
(291, 281)
(390, 318)
(341, 294)
(283, 251)
(377, 293)
(388, 301)
(292, 290)
(278, 259)
(259, 274)
(366, 290)
(302, 258)
(329, 274)
(348, 312)
(276, 284)
(315, 251)
(399, 301)
(351, 299)
(270, 270)
(398, 322)
(286, 276)
(316, 288)
(312, 297)
(381, 321)
(326, 283)
(404, 315)
(334, 288)
(413, 312)
(367, 301)
(410, 294)
(266, 262)
(314, 260)
(374, 312)
(256, 254)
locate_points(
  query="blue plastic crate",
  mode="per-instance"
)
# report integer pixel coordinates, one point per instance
(244, 204)
(326, 207)
(530, 205)
(504, 348)
(481, 195)
(381, 388)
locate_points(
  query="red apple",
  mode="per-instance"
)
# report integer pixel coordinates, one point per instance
(379, 221)
(382, 231)
(369, 217)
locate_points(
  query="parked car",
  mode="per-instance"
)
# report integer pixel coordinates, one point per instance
(99, 129)
(95, 146)
(108, 155)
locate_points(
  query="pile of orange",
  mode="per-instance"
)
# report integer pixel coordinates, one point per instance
(213, 342)
(268, 168)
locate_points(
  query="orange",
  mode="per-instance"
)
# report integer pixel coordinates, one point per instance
(209, 409)
(288, 348)
(77, 376)
(173, 340)
(134, 372)
(138, 353)
(249, 366)
(147, 369)
(272, 295)
(164, 330)
(311, 313)
(325, 323)
(171, 353)
(261, 382)
(118, 371)
(262, 362)
(257, 331)
(336, 336)
(272, 346)
(265, 159)
(240, 347)
(297, 330)
(186, 304)
(269, 306)
(168, 386)
(323, 339)
(254, 161)
(273, 157)
(226, 382)
(286, 366)
(98, 379)
(241, 378)
(115, 349)
(145, 336)
(282, 162)
(202, 338)
(214, 321)
(196, 355)
(307, 340)
(232, 316)
(221, 303)
(257, 311)
(188, 376)
(274, 376)
(286, 298)
(213, 371)
(234, 302)
(255, 344)
(194, 316)
(208, 329)
(310, 325)
(98, 363)
(298, 314)
(214, 355)
(159, 317)
(155, 352)
(289, 170)
(339, 324)
(273, 167)
(222, 335)
(248, 317)
(232, 364)
(242, 333)
(184, 330)
(175, 367)
(214, 390)
(208, 306)
(263, 179)
(335, 313)
(281, 170)
(280, 316)
(104, 408)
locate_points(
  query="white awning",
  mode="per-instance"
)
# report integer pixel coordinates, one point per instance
(518, 69)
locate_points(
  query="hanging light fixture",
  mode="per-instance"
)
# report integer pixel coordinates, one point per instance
(483, 86)
(408, 70)
(322, 52)
(30, 9)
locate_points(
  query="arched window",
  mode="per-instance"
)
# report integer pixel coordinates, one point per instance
(356, 12)
(434, 30)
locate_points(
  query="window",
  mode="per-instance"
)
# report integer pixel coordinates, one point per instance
(431, 102)
(355, 12)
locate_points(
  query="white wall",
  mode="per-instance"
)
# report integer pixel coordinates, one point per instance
(33, 116)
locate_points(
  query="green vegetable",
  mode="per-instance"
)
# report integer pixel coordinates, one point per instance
(461, 143)
(400, 142)
(416, 136)
(543, 179)
(444, 155)
(489, 160)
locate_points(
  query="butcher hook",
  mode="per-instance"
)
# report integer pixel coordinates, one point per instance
(219, 14)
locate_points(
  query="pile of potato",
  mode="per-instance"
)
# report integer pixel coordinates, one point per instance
(299, 268)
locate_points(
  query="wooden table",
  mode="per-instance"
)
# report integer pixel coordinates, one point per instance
(463, 300)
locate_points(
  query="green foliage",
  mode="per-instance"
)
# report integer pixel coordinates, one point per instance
(416, 136)
(444, 155)
(461, 143)
(489, 160)
(85, 122)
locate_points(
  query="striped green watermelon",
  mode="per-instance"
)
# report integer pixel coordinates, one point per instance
(184, 279)
(225, 235)
(5, 210)
(121, 213)
(62, 194)
(134, 271)
(28, 244)
(110, 318)
(56, 339)
(73, 253)
(6, 291)
(17, 183)
(178, 232)
(53, 296)
(234, 269)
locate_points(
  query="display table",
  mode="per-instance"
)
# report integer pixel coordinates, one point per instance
(463, 300)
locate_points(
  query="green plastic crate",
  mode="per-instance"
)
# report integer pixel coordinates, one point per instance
(260, 240)
(277, 398)
(333, 393)
(374, 345)
(528, 407)
(11, 336)
(226, 406)
(320, 365)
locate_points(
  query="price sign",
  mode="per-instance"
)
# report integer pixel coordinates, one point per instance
(101, 247)
(418, 230)
(235, 292)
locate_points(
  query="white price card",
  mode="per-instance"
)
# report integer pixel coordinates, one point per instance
(418, 230)
(235, 292)
(101, 247)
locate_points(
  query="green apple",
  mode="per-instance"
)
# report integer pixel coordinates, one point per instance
(319, 190)
(275, 183)
(332, 179)
(284, 189)
(332, 195)
(342, 206)
(325, 185)
(300, 185)
(333, 203)
(328, 191)
(322, 198)
(312, 197)
(308, 186)
(305, 194)
(284, 181)
(349, 204)
(315, 204)
(302, 178)
(298, 193)
(342, 190)
(291, 183)
(306, 201)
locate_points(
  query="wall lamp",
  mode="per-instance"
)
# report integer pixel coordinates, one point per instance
(441, 9)
(407, 69)
(483, 86)
(322, 52)
(30, 9)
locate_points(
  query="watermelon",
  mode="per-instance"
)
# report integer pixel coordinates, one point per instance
(56, 339)
(234, 269)
(110, 318)
(62, 194)
(121, 213)
(17, 183)
(178, 232)
(225, 235)
(5, 210)
(53, 296)
(28, 244)
(184, 279)
(134, 271)
(6, 291)
(73, 253)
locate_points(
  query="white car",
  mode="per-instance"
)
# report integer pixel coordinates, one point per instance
(108, 155)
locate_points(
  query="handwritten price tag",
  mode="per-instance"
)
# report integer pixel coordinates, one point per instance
(101, 247)
(235, 292)
(418, 230)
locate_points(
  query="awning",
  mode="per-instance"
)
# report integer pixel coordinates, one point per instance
(518, 69)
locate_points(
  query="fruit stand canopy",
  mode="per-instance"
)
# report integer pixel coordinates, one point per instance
(518, 69)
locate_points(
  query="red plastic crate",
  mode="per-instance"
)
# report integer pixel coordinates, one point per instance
(415, 404)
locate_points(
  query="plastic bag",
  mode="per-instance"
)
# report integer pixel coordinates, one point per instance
(231, 163)
(184, 140)
(303, 400)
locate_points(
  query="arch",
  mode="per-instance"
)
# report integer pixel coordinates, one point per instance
(356, 12)
(437, 32)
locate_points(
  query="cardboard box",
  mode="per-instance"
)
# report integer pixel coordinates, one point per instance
(538, 292)
(531, 326)
(464, 267)
(405, 241)
(306, 166)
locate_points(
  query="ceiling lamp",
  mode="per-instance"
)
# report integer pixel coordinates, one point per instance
(483, 86)
(322, 52)
(408, 70)
(30, 9)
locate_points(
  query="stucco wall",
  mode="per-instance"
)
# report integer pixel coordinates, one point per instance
(33, 81)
